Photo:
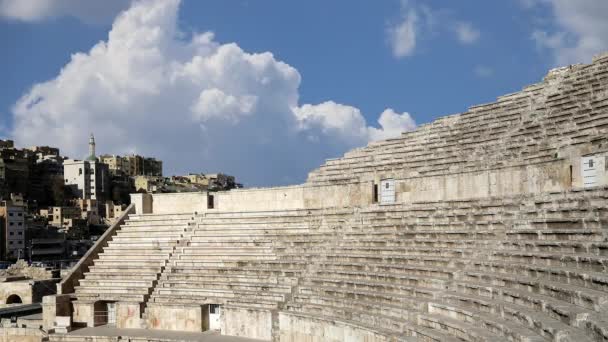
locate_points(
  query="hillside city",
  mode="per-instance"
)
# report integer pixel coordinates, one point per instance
(53, 208)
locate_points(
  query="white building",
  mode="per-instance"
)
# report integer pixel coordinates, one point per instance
(88, 179)
(12, 222)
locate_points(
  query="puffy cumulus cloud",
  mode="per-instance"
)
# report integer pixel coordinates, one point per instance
(330, 118)
(214, 103)
(95, 12)
(576, 31)
(200, 105)
(348, 123)
(392, 124)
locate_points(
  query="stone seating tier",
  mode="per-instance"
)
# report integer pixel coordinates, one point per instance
(523, 128)
(524, 268)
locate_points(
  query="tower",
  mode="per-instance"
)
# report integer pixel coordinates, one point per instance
(92, 148)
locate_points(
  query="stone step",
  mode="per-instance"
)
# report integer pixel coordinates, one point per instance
(227, 286)
(205, 277)
(584, 297)
(196, 295)
(118, 255)
(111, 290)
(198, 250)
(111, 283)
(544, 324)
(124, 268)
(132, 263)
(108, 276)
(137, 251)
(580, 261)
(111, 297)
(461, 330)
(155, 217)
(127, 235)
(556, 234)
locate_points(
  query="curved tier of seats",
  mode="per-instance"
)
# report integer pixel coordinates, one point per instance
(531, 268)
(568, 109)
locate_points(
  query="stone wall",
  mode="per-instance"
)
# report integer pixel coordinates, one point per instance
(23, 289)
(511, 181)
(302, 328)
(177, 317)
(178, 203)
(247, 323)
(21, 335)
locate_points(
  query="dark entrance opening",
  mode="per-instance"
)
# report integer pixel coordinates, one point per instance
(13, 299)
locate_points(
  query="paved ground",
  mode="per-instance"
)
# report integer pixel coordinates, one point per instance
(168, 335)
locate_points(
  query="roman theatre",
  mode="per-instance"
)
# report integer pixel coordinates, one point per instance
(489, 225)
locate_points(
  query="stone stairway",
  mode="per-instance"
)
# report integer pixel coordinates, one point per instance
(129, 267)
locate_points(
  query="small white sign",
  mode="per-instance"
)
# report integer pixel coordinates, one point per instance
(387, 191)
(589, 168)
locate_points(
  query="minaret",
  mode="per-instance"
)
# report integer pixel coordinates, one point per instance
(92, 148)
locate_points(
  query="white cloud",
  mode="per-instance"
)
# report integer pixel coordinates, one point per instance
(96, 11)
(483, 71)
(466, 33)
(214, 103)
(198, 104)
(402, 37)
(578, 29)
(418, 22)
(348, 122)
(392, 124)
(333, 119)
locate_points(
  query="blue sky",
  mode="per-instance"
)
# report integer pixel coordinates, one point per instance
(420, 59)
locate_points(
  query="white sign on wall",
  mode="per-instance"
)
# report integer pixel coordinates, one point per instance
(589, 168)
(387, 191)
(214, 317)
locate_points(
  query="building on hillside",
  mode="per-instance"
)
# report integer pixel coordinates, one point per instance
(47, 181)
(12, 227)
(121, 186)
(116, 164)
(133, 165)
(15, 168)
(7, 144)
(148, 183)
(152, 167)
(113, 211)
(42, 152)
(61, 217)
(87, 179)
(214, 181)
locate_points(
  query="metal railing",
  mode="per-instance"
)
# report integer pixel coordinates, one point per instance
(104, 317)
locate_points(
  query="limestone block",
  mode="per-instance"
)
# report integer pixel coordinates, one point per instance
(166, 317)
(63, 324)
(128, 315)
(53, 306)
(84, 313)
(247, 323)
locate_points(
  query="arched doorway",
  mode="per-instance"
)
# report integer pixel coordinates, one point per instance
(13, 299)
